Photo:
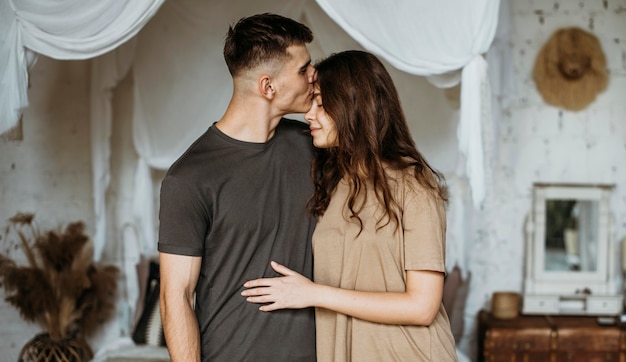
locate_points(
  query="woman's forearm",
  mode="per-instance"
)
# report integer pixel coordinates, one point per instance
(402, 308)
(418, 305)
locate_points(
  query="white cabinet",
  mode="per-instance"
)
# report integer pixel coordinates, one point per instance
(570, 252)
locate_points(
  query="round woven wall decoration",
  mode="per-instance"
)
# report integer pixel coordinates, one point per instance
(570, 69)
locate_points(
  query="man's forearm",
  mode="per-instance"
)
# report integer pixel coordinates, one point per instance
(181, 332)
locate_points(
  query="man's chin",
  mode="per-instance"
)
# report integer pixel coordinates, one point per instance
(305, 107)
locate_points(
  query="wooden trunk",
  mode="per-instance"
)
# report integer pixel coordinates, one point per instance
(549, 339)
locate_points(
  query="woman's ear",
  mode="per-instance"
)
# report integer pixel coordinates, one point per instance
(265, 86)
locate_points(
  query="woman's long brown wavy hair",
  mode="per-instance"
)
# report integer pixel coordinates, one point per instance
(359, 95)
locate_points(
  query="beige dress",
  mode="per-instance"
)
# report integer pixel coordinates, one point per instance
(377, 261)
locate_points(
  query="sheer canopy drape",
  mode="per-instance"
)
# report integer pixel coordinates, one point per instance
(435, 39)
(71, 29)
(443, 41)
(177, 102)
(66, 29)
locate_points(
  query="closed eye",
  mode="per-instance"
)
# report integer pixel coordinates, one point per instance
(305, 67)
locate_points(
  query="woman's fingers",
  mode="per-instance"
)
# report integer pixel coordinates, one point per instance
(259, 299)
(268, 282)
(268, 307)
(255, 292)
(263, 282)
(281, 269)
(287, 291)
(257, 296)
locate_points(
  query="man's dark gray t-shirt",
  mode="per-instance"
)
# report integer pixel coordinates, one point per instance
(240, 205)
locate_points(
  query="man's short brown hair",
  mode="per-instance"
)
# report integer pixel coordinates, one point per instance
(262, 38)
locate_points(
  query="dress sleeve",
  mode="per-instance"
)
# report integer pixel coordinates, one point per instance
(424, 228)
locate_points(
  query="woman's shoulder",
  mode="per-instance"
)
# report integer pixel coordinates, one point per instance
(404, 175)
(406, 182)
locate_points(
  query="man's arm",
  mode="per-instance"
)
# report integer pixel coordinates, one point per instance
(179, 275)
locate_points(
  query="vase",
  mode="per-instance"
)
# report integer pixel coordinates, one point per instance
(42, 348)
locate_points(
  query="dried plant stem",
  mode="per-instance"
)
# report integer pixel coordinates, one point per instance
(28, 251)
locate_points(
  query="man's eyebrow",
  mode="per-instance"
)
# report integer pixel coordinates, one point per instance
(306, 65)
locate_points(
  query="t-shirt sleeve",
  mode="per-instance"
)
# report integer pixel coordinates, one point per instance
(183, 221)
(424, 223)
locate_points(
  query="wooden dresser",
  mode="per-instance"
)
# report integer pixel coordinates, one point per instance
(549, 339)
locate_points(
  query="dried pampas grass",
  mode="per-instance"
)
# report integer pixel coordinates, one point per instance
(570, 69)
(61, 288)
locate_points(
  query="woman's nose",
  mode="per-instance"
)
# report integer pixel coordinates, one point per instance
(312, 74)
(307, 117)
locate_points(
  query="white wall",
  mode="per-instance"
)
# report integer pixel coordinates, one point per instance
(540, 143)
(49, 172)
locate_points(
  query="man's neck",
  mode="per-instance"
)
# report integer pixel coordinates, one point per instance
(248, 124)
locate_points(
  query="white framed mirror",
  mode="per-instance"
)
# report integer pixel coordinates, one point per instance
(570, 258)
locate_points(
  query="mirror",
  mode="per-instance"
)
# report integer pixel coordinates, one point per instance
(570, 240)
(570, 258)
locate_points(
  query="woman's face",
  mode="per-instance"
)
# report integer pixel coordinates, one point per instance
(323, 128)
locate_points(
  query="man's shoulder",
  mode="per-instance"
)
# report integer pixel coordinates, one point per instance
(195, 157)
(295, 131)
(297, 136)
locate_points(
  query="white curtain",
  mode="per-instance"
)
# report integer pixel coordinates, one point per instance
(71, 29)
(187, 88)
(173, 105)
(436, 39)
(62, 29)
(106, 72)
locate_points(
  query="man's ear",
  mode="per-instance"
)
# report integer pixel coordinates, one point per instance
(265, 86)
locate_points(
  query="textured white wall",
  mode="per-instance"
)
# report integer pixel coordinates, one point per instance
(49, 172)
(541, 143)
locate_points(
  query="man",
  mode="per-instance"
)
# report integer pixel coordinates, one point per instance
(237, 200)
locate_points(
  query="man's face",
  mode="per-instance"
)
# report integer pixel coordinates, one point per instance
(294, 84)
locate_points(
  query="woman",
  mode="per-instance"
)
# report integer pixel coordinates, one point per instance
(379, 242)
